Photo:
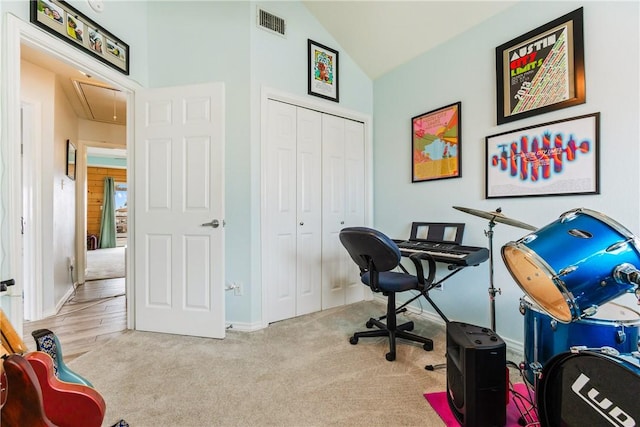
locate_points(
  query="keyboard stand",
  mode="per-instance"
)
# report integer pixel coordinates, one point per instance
(425, 293)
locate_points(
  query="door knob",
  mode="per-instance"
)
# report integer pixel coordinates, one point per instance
(215, 224)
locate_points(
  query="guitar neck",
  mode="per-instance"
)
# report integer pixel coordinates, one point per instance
(9, 338)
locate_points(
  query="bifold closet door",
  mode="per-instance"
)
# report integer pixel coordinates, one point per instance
(291, 256)
(342, 206)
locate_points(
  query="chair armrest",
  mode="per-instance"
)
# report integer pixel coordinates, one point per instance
(417, 259)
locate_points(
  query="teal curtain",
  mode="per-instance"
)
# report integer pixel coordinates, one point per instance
(108, 222)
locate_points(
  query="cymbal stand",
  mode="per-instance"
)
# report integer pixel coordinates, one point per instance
(492, 290)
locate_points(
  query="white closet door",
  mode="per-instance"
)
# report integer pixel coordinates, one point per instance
(309, 208)
(280, 246)
(354, 201)
(333, 211)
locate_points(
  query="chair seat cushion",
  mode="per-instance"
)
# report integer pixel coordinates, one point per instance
(391, 281)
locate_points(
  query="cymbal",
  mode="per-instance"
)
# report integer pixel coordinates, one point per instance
(496, 216)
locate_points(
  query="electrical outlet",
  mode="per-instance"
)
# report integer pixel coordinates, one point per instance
(70, 262)
(237, 289)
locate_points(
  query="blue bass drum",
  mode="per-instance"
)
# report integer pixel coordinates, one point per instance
(567, 267)
(614, 325)
(589, 389)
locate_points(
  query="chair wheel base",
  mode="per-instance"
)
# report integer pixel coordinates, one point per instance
(391, 356)
(428, 346)
(353, 340)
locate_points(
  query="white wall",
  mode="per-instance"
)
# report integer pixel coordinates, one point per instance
(463, 69)
(59, 123)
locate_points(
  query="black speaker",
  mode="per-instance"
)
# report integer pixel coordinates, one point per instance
(476, 375)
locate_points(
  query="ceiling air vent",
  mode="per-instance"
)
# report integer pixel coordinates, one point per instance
(270, 22)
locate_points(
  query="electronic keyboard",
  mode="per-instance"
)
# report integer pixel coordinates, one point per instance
(449, 253)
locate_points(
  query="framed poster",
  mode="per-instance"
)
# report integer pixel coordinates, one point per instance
(542, 70)
(551, 159)
(63, 21)
(435, 144)
(323, 71)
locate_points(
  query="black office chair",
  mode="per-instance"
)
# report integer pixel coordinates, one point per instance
(376, 254)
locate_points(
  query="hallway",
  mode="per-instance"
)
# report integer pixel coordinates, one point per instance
(95, 313)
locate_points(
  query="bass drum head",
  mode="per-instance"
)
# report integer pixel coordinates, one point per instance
(589, 389)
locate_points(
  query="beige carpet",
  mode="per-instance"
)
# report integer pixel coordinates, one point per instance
(105, 264)
(298, 372)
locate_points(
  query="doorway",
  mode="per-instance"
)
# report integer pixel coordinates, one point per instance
(20, 34)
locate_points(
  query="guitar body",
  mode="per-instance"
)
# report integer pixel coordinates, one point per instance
(24, 406)
(48, 342)
(66, 404)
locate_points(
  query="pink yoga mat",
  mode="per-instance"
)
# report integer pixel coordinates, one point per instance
(438, 402)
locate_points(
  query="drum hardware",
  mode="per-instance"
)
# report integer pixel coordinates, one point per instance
(618, 245)
(605, 349)
(494, 217)
(627, 274)
(580, 233)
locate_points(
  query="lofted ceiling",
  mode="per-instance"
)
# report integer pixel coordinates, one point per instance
(378, 35)
(382, 35)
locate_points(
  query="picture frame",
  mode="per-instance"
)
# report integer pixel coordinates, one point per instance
(436, 144)
(71, 160)
(324, 71)
(542, 70)
(550, 159)
(59, 18)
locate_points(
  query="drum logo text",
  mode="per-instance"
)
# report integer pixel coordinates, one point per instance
(613, 413)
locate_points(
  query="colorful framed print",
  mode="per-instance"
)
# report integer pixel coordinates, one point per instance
(552, 159)
(542, 70)
(63, 21)
(323, 71)
(435, 144)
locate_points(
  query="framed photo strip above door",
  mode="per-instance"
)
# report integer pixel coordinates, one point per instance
(63, 21)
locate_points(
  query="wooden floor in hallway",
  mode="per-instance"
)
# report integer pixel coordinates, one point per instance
(95, 313)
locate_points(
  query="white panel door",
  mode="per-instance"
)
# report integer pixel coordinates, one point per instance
(333, 211)
(179, 183)
(279, 246)
(309, 208)
(292, 247)
(354, 202)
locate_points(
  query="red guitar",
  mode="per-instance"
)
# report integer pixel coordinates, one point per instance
(23, 405)
(66, 404)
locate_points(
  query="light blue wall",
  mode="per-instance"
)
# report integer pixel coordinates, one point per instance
(281, 63)
(124, 19)
(187, 42)
(194, 42)
(463, 69)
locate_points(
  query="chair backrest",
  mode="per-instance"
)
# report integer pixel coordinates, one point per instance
(366, 246)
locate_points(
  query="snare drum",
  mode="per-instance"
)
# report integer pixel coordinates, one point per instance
(614, 325)
(567, 267)
(589, 389)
